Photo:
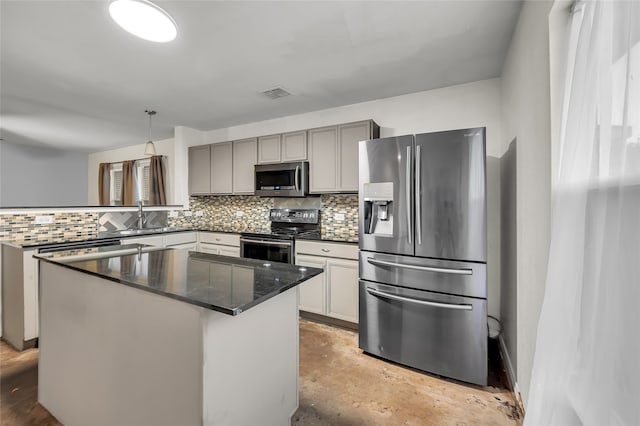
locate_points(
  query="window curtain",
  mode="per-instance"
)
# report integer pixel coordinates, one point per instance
(157, 179)
(587, 361)
(130, 195)
(104, 178)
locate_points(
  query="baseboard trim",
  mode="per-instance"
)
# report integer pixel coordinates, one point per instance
(511, 374)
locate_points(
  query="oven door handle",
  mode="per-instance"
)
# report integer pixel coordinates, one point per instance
(385, 295)
(266, 243)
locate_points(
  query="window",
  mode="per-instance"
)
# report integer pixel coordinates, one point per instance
(142, 178)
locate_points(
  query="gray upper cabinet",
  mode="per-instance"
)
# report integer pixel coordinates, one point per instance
(333, 156)
(245, 157)
(323, 150)
(282, 148)
(199, 169)
(294, 146)
(222, 168)
(269, 149)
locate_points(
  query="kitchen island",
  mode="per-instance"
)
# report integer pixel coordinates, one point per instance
(169, 337)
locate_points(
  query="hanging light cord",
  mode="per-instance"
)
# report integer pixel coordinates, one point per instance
(150, 113)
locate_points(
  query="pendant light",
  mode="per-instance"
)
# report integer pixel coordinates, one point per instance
(144, 19)
(149, 147)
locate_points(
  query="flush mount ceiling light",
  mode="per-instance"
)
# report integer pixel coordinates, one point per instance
(149, 147)
(144, 19)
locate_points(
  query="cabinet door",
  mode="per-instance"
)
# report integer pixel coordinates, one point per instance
(30, 282)
(245, 156)
(209, 248)
(323, 149)
(229, 251)
(199, 169)
(348, 137)
(312, 292)
(269, 149)
(342, 289)
(294, 146)
(221, 168)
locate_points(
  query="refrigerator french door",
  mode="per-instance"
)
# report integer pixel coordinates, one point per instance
(422, 234)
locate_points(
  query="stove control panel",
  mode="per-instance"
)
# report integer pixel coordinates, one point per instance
(294, 215)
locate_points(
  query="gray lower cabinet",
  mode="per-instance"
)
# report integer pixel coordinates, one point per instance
(199, 169)
(334, 293)
(245, 157)
(333, 155)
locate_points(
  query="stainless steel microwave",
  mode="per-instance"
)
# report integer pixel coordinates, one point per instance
(282, 179)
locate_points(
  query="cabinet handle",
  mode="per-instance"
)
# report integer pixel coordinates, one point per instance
(217, 239)
(385, 295)
(419, 267)
(325, 250)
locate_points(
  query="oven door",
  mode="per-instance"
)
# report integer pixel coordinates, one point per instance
(267, 249)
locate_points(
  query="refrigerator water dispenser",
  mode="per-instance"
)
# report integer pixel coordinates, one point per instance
(378, 206)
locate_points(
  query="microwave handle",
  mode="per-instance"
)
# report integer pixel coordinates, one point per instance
(296, 178)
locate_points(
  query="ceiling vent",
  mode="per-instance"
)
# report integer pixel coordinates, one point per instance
(276, 93)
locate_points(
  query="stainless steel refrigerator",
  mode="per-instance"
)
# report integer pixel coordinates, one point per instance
(422, 236)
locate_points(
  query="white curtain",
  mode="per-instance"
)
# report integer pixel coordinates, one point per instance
(587, 361)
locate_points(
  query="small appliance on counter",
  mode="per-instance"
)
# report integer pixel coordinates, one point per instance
(423, 252)
(277, 245)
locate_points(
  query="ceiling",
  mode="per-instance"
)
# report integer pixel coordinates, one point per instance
(72, 79)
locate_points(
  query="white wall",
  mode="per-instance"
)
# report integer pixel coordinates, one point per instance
(526, 118)
(39, 176)
(133, 152)
(474, 104)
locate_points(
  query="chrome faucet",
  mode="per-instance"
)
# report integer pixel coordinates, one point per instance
(141, 216)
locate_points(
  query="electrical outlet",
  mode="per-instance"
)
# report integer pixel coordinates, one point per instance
(173, 213)
(41, 220)
(338, 216)
(188, 213)
(239, 213)
(199, 213)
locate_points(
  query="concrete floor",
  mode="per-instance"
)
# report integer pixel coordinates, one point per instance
(339, 385)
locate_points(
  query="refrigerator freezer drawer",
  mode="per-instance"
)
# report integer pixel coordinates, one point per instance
(440, 334)
(443, 276)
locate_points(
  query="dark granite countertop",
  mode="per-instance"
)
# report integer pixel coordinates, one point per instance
(347, 239)
(225, 284)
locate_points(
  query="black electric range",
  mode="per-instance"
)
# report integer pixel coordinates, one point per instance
(277, 245)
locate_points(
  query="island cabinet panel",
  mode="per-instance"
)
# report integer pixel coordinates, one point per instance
(198, 366)
(323, 149)
(181, 240)
(245, 157)
(294, 146)
(334, 293)
(269, 149)
(200, 169)
(222, 168)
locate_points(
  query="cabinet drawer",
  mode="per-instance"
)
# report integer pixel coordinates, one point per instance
(180, 238)
(342, 251)
(220, 238)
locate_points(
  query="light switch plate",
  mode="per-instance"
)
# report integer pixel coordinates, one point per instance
(199, 213)
(173, 213)
(41, 220)
(188, 213)
(338, 216)
(239, 213)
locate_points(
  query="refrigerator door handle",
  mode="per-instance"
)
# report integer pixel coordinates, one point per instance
(385, 295)
(408, 195)
(417, 198)
(378, 262)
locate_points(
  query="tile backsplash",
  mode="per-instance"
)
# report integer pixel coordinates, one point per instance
(235, 213)
(65, 225)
